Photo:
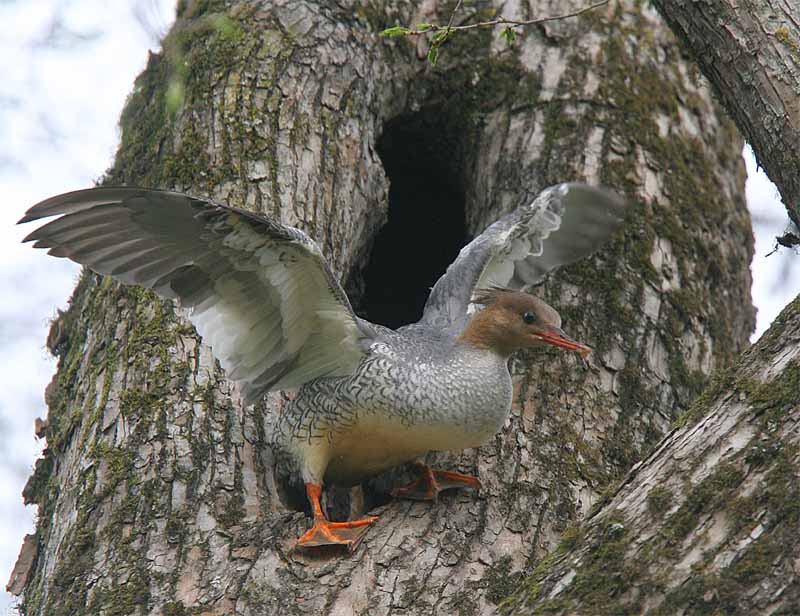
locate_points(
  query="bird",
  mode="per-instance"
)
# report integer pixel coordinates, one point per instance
(367, 397)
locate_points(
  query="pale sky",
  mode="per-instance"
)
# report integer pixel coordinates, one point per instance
(67, 67)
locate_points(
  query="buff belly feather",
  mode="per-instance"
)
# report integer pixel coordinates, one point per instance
(344, 430)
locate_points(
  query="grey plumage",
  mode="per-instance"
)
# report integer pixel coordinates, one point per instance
(259, 292)
(563, 224)
(410, 394)
(264, 298)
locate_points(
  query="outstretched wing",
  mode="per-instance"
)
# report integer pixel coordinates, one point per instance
(260, 293)
(564, 223)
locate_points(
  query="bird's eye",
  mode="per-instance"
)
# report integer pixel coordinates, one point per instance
(529, 318)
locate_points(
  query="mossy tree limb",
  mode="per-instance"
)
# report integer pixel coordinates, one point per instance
(159, 495)
(750, 51)
(707, 523)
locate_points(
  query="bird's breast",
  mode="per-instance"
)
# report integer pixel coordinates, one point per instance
(397, 407)
(402, 410)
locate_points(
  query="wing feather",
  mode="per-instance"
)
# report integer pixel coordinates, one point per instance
(259, 293)
(564, 223)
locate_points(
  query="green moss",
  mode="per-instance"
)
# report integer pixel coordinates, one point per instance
(704, 497)
(87, 365)
(782, 492)
(606, 573)
(118, 463)
(499, 580)
(68, 592)
(604, 498)
(145, 129)
(721, 383)
(123, 598)
(141, 407)
(784, 36)
(190, 158)
(763, 451)
(233, 512)
(174, 608)
(729, 588)
(694, 194)
(773, 504)
(772, 400)
(569, 538)
(161, 145)
(532, 583)
(36, 488)
(772, 339)
(411, 591)
(625, 446)
(177, 525)
(756, 562)
(659, 501)
(609, 301)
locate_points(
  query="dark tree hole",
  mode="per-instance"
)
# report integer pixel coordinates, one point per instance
(422, 157)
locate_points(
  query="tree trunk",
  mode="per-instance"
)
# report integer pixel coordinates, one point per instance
(157, 495)
(750, 51)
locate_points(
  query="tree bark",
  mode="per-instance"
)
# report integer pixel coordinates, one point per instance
(157, 495)
(750, 51)
(707, 523)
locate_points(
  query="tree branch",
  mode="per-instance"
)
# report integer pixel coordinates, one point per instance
(750, 52)
(442, 33)
(501, 21)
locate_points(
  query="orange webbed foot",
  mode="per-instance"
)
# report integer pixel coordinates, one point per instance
(348, 534)
(428, 485)
(324, 533)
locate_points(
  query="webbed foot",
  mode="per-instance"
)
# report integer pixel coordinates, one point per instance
(430, 482)
(323, 532)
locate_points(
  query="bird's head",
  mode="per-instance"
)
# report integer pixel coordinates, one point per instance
(512, 320)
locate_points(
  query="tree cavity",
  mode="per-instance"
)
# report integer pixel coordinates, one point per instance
(422, 154)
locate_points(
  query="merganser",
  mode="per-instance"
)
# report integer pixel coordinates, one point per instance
(370, 398)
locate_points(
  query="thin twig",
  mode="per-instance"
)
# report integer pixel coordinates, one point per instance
(499, 21)
(453, 14)
(440, 34)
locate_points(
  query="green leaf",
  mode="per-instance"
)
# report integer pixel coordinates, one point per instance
(423, 27)
(433, 54)
(440, 37)
(396, 31)
(509, 35)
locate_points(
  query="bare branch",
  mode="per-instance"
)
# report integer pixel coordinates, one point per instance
(440, 34)
(498, 21)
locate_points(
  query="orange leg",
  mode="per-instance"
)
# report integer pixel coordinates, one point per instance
(324, 532)
(429, 483)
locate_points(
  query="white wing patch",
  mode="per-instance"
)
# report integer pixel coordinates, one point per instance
(518, 243)
(292, 318)
(564, 223)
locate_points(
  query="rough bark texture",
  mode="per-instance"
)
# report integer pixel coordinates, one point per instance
(156, 494)
(706, 524)
(750, 51)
